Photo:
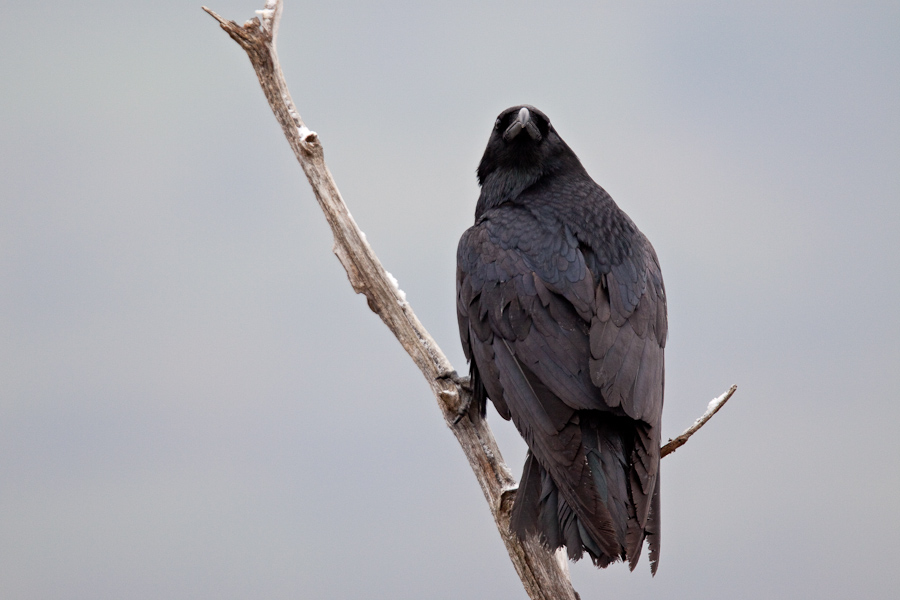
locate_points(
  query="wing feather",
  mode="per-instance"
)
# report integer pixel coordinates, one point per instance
(561, 330)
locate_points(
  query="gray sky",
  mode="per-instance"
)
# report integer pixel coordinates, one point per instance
(194, 404)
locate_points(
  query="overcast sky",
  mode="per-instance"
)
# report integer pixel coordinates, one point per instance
(194, 404)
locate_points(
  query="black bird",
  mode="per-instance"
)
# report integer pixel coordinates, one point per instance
(562, 316)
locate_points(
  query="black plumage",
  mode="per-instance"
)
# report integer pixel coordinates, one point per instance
(562, 315)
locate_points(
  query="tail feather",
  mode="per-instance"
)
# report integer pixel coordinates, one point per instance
(541, 510)
(653, 529)
(590, 476)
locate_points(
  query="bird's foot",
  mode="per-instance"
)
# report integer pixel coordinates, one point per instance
(458, 396)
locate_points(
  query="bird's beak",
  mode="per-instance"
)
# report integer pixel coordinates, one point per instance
(523, 122)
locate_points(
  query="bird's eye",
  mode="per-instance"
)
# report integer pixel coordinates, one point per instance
(497, 123)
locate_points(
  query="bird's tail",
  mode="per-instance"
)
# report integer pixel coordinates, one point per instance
(540, 509)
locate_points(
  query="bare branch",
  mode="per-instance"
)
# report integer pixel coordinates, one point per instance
(543, 574)
(714, 405)
(537, 567)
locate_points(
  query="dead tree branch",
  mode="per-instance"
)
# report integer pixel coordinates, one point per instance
(543, 575)
(712, 408)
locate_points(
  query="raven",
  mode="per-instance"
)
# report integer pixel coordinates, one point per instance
(562, 317)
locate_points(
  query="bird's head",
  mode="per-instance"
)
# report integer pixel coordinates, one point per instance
(523, 142)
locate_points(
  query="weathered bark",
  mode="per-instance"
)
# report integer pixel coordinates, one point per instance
(543, 575)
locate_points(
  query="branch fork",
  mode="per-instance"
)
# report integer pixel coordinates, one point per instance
(543, 573)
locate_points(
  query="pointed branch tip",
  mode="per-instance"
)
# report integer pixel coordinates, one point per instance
(215, 16)
(713, 407)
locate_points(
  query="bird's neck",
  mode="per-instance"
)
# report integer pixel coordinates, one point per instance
(504, 185)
